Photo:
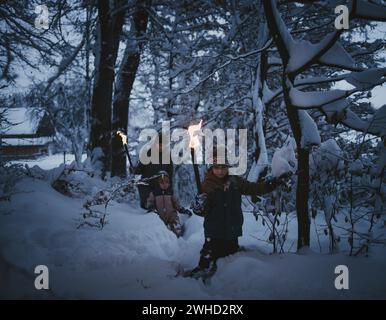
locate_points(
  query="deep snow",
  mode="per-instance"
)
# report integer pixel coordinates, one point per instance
(136, 257)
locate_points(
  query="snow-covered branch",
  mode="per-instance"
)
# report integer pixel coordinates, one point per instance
(365, 80)
(65, 63)
(370, 11)
(225, 64)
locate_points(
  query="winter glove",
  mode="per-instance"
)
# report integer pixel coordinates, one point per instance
(283, 180)
(198, 205)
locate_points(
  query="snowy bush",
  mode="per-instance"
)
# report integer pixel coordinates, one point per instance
(350, 193)
(95, 207)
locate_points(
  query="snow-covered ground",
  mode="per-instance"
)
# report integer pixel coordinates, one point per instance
(135, 257)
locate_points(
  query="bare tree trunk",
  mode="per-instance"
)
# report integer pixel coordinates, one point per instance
(87, 75)
(259, 166)
(110, 27)
(302, 191)
(302, 188)
(77, 149)
(126, 78)
(303, 181)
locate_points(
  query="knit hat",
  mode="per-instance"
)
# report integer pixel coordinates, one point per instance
(163, 176)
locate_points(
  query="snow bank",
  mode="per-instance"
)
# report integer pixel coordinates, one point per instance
(135, 256)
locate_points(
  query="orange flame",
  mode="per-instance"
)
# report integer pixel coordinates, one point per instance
(123, 137)
(194, 141)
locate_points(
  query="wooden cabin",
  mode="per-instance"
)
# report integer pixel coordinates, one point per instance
(26, 136)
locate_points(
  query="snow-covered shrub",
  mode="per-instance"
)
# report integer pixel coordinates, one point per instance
(95, 208)
(273, 213)
(348, 185)
(274, 220)
(73, 182)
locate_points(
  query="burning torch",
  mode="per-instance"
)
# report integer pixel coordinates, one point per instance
(124, 142)
(193, 143)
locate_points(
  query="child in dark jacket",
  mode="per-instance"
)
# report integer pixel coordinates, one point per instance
(221, 208)
(150, 170)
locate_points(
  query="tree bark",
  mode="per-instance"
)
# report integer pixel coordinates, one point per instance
(302, 191)
(303, 181)
(110, 27)
(260, 161)
(126, 78)
(302, 188)
(259, 166)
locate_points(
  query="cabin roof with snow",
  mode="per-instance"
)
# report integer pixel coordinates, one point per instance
(25, 129)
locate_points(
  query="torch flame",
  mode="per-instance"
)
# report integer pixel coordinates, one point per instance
(123, 137)
(194, 141)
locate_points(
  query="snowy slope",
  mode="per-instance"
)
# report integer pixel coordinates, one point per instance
(135, 257)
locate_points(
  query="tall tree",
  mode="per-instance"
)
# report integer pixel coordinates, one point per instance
(297, 57)
(125, 81)
(111, 16)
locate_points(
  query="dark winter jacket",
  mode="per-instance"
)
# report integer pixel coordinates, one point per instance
(223, 215)
(151, 169)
